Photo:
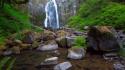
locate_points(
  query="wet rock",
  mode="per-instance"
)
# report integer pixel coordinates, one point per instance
(16, 50)
(55, 53)
(48, 35)
(25, 46)
(7, 52)
(111, 56)
(18, 41)
(63, 66)
(28, 37)
(101, 38)
(76, 53)
(86, 27)
(52, 60)
(119, 66)
(71, 41)
(78, 33)
(9, 42)
(35, 44)
(62, 33)
(120, 37)
(48, 63)
(65, 42)
(62, 42)
(48, 47)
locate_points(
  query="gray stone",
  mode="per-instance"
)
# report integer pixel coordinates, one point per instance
(111, 56)
(63, 66)
(86, 27)
(77, 53)
(71, 40)
(8, 52)
(101, 38)
(48, 47)
(50, 61)
(29, 38)
(119, 66)
(66, 42)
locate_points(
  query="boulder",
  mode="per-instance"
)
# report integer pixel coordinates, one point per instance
(7, 52)
(71, 41)
(48, 35)
(76, 53)
(52, 60)
(62, 33)
(65, 42)
(28, 37)
(16, 50)
(119, 66)
(35, 45)
(110, 56)
(63, 66)
(25, 46)
(48, 63)
(48, 47)
(101, 38)
(62, 42)
(18, 41)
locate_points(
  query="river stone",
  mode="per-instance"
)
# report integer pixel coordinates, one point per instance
(76, 53)
(52, 60)
(62, 42)
(101, 38)
(62, 33)
(7, 52)
(119, 66)
(48, 63)
(63, 66)
(16, 49)
(48, 35)
(18, 41)
(65, 42)
(71, 41)
(48, 47)
(28, 37)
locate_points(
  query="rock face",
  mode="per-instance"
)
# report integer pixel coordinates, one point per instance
(66, 9)
(63, 66)
(76, 53)
(101, 38)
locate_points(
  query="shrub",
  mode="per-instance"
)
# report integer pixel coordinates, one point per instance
(99, 12)
(80, 41)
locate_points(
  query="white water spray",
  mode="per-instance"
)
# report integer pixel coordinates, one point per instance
(52, 17)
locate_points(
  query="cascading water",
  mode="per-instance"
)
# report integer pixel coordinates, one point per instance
(52, 17)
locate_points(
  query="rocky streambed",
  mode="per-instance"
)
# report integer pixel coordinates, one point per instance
(56, 50)
(31, 60)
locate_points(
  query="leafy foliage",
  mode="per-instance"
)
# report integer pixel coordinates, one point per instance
(99, 12)
(80, 41)
(6, 63)
(12, 21)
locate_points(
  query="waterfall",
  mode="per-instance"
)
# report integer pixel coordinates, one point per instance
(52, 17)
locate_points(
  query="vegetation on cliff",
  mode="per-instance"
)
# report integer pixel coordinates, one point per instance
(99, 12)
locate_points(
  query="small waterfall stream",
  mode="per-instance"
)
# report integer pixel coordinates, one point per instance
(52, 17)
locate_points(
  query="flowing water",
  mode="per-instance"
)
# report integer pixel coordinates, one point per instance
(52, 17)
